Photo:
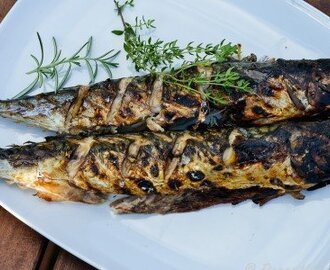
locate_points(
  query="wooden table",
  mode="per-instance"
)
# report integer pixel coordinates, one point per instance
(22, 247)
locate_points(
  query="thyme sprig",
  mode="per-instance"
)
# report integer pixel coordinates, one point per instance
(54, 68)
(158, 56)
(196, 83)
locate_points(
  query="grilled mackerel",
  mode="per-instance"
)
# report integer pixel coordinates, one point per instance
(280, 90)
(165, 172)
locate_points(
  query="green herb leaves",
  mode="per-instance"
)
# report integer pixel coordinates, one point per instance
(148, 55)
(158, 56)
(59, 68)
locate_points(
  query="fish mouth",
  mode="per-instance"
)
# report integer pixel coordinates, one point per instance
(3, 154)
(12, 111)
(3, 107)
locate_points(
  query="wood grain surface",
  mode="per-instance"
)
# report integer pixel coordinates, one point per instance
(66, 261)
(5, 6)
(323, 5)
(21, 248)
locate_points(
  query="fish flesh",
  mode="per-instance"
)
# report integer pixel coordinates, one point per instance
(280, 90)
(229, 164)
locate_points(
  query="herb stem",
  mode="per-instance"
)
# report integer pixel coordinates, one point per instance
(120, 13)
(158, 56)
(51, 70)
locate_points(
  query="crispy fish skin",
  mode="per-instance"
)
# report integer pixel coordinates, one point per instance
(286, 159)
(281, 90)
(191, 200)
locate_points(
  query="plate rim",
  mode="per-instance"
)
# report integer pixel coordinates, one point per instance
(321, 18)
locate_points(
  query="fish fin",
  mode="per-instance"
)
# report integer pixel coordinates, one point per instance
(190, 200)
(321, 184)
(297, 195)
(262, 199)
(59, 190)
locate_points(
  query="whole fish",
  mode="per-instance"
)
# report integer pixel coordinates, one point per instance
(280, 90)
(229, 164)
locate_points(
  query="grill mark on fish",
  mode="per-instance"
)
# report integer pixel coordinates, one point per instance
(299, 101)
(116, 104)
(180, 143)
(156, 95)
(78, 159)
(153, 125)
(207, 73)
(74, 109)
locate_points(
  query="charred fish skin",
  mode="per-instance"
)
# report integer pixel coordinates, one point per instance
(287, 159)
(124, 105)
(280, 90)
(191, 200)
(27, 166)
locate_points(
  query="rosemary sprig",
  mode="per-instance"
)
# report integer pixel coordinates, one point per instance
(53, 69)
(158, 56)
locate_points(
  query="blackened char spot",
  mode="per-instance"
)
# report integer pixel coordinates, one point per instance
(208, 184)
(238, 112)
(169, 115)
(318, 95)
(125, 190)
(146, 186)
(268, 91)
(276, 181)
(310, 158)
(190, 150)
(166, 93)
(187, 101)
(174, 184)
(182, 123)
(263, 89)
(254, 150)
(282, 135)
(145, 154)
(212, 162)
(94, 169)
(195, 176)
(114, 160)
(259, 110)
(126, 112)
(137, 96)
(154, 171)
(218, 168)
